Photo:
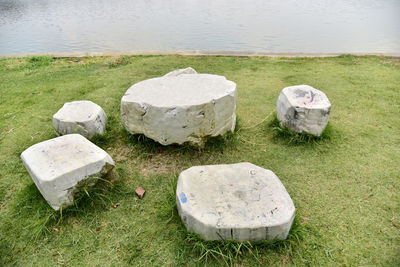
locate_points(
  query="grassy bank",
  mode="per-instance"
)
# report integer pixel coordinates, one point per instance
(345, 186)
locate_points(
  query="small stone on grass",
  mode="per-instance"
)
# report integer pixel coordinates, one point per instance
(140, 192)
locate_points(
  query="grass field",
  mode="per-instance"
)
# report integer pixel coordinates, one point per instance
(345, 185)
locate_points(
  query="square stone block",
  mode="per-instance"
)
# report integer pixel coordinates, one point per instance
(60, 166)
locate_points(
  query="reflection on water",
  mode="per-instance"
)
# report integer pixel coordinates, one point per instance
(256, 25)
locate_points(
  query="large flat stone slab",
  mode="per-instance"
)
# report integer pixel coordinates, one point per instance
(235, 201)
(82, 117)
(60, 166)
(302, 108)
(180, 107)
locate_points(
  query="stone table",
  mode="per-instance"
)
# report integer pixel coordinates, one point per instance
(180, 107)
(237, 201)
(60, 166)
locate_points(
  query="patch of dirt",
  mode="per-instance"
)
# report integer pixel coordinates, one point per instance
(74, 222)
(158, 164)
(392, 61)
(120, 154)
(151, 164)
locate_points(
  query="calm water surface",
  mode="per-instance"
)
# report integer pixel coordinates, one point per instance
(253, 25)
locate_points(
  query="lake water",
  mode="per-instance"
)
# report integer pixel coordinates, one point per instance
(247, 25)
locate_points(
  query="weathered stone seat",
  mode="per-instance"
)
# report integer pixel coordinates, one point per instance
(237, 201)
(180, 107)
(82, 117)
(302, 108)
(60, 166)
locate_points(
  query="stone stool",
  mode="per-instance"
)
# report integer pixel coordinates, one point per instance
(237, 201)
(60, 166)
(82, 117)
(302, 108)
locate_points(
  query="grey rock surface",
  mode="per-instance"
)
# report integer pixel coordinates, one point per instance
(302, 108)
(82, 117)
(235, 201)
(61, 166)
(176, 109)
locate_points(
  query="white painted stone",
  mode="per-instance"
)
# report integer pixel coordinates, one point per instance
(236, 201)
(180, 108)
(302, 108)
(178, 72)
(83, 117)
(60, 166)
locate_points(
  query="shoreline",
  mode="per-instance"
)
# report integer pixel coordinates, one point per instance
(193, 53)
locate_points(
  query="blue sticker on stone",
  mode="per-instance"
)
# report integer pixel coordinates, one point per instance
(183, 197)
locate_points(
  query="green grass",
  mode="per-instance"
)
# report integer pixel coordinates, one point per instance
(345, 185)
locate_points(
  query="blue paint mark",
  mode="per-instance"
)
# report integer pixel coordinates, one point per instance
(183, 197)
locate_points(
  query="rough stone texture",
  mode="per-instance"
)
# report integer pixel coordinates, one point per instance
(60, 166)
(302, 108)
(82, 117)
(180, 108)
(178, 72)
(237, 201)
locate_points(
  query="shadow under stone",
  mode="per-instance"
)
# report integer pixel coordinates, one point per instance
(285, 136)
(230, 251)
(213, 145)
(40, 218)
